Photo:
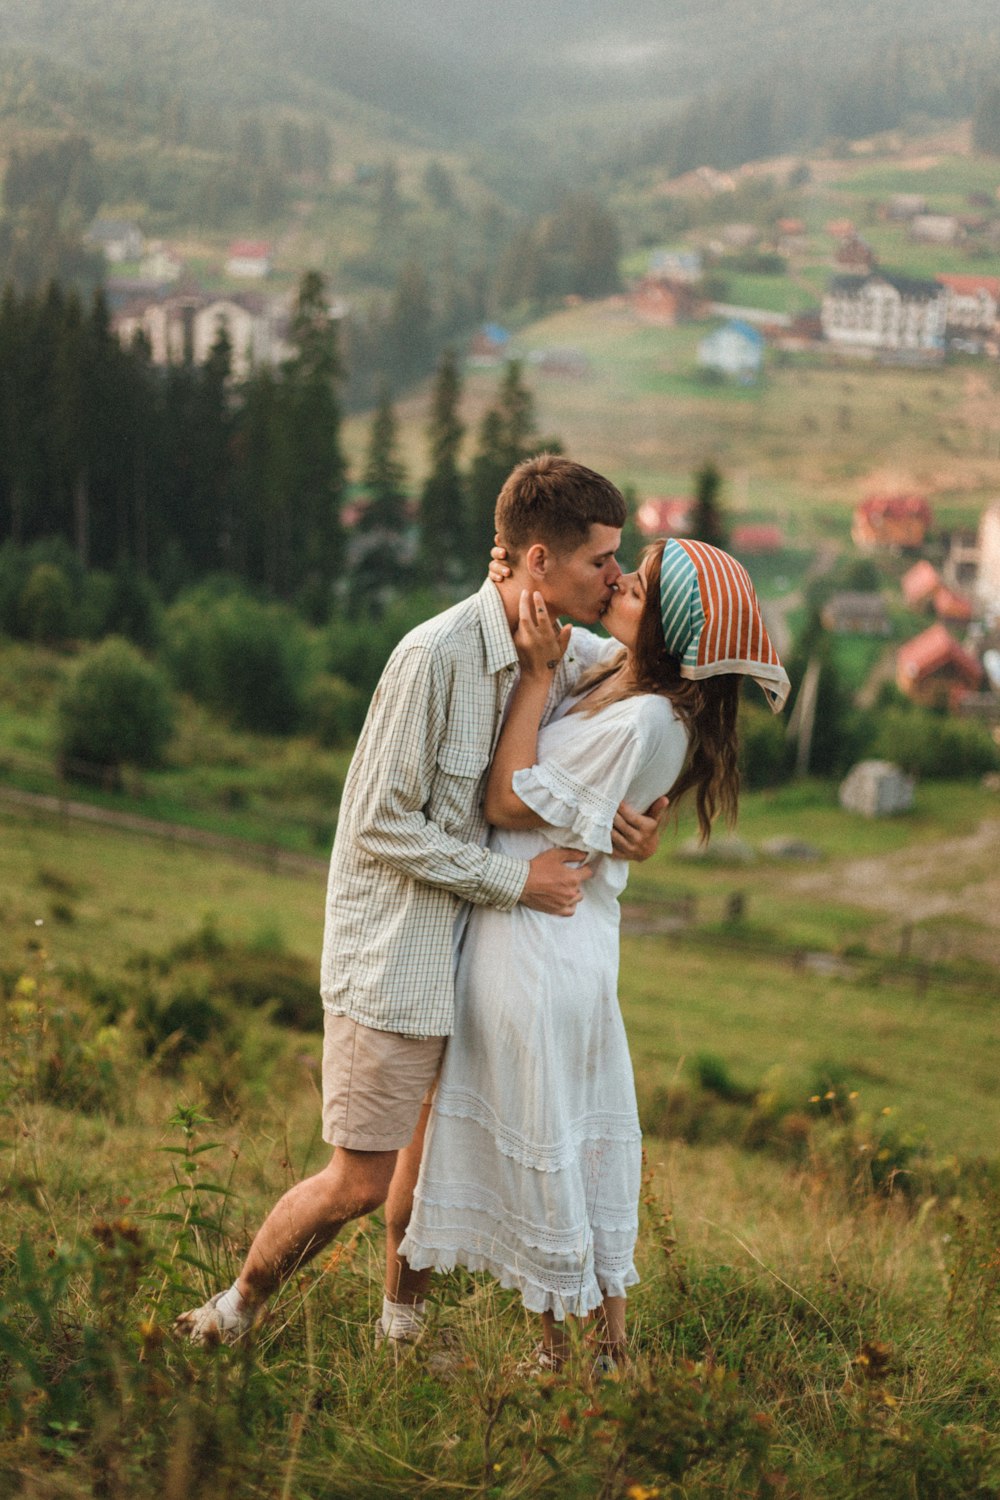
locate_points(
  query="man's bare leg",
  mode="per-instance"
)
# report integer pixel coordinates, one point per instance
(305, 1219)
(401, 1284)
(311, 1214)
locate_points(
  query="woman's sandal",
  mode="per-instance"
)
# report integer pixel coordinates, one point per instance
(538, 1362)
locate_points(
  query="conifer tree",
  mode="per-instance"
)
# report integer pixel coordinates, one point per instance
(313, 464)
(409, 328)
(380, 547)
(507, 435)
(986, 121)
(707, 520)
(486, 476)
(384, 476)
(442, 500)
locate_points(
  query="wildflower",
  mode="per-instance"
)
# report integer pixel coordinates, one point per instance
(641, 1492)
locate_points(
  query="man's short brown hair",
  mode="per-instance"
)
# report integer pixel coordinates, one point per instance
(553, 500)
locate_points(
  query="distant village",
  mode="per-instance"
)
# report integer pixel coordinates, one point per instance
(954, 663)
(865, 311)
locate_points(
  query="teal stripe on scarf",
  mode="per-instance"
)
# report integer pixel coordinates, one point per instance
(680, 604)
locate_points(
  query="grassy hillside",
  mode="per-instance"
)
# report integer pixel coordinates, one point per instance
(816, 1311)
(807, 439)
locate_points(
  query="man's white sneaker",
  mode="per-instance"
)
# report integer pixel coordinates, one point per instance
(212, 1324)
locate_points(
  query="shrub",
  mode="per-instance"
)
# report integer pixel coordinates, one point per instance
(358, 646)
(18, 564)
(247, 661)
(114, 710)
(764, 751)
(714, 1077)
(334, 711)
(927, 744)
(45, 609)
(58, 1052)
(122, 603)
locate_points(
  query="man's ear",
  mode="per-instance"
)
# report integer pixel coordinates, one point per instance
(537, 560)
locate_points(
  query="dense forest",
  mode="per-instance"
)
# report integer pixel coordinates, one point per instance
(438, 72)
(178, 474)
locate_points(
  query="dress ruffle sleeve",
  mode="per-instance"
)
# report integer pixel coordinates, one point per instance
(578, 786)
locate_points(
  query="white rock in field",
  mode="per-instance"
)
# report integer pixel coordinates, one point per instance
(876, 789)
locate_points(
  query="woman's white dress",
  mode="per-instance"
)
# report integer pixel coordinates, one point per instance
(531, 1168)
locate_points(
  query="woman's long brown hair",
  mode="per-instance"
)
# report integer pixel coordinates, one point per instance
(706, 708)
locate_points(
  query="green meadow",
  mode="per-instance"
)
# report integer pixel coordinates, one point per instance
(801, 447)
(817, 1072)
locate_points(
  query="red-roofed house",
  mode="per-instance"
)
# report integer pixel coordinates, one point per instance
(249, 258)
(757, 540)
(951, 606)
(973, 302)
(933, 669)
(891, 521)
(661, 301)
(667, 515)
(920, 583)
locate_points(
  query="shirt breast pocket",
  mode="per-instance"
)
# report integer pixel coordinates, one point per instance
(458, 786)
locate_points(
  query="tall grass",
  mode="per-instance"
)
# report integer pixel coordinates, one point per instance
(810, 1321)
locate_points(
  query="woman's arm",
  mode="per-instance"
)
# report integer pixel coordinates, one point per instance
(540, 645)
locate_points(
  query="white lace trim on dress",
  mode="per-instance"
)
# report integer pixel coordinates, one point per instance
(463, 1104)
(567, 804)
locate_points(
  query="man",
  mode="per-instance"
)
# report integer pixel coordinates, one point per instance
(409, 855)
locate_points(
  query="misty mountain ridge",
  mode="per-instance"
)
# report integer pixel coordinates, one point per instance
(443, 72)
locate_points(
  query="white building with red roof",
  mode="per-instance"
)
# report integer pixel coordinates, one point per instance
(250, 258)
(891, 521)
(920, 583)
(933, 668)
(664, 515)
(973, 302)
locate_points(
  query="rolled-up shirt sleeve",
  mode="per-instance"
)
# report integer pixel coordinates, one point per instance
(410, 716)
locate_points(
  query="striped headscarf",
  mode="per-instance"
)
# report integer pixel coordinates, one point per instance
(712, 620)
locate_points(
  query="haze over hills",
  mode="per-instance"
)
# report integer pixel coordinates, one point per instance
(439, 70)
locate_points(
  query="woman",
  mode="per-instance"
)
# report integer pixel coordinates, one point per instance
(532, 1163)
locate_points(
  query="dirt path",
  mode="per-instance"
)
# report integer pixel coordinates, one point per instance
(39, 804)
(957, 877)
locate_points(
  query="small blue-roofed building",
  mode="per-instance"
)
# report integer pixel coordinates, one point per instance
(490, 345)
(736, 350)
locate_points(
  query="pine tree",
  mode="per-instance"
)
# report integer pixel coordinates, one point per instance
(486, 476)
(312, 460)
(388, 200)
(707, 520)
(507, 435)
(260, 516)
(381, 564)
(986, 122)
(442, 501)
(409, 327)
(633, 541)
(384, 476)
(517, 408)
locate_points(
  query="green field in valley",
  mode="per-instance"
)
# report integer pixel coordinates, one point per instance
(818, 1215)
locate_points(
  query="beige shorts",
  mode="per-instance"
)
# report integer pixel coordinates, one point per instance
(374, 1083)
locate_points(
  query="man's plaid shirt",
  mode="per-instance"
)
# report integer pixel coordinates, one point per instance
(410, 844)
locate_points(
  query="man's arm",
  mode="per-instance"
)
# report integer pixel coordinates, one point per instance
(406, 727)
